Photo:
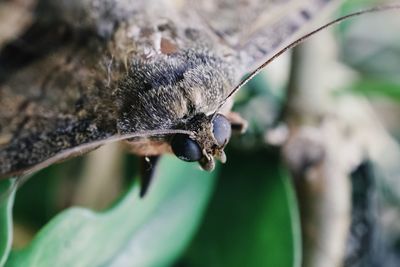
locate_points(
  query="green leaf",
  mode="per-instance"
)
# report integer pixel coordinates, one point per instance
(36, 201)
(376, 87)
(135, 232)
(252, 219)
(7, 193)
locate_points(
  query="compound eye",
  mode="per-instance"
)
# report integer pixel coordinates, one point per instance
(185, 148)
(221, 129)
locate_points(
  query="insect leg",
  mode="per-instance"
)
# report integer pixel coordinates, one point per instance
(238, 124)
(147, 167)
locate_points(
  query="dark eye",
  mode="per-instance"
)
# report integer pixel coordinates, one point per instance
(185, 148)
(221, 129)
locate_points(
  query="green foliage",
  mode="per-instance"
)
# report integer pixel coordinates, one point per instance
(6, 192)
(252, 219)
(375, 88)
(140, 232)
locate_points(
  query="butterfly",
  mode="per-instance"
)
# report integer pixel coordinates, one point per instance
(158, 75)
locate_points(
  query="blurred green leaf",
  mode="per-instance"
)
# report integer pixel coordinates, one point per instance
(7, 193)
(135, 232)
(253, 218)
(36, 201)
(350, 5)
(373, 88)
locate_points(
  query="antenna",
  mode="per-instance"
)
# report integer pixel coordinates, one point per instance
(24, 175)
(299, 41)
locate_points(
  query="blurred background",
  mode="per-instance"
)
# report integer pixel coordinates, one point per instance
(313, 182)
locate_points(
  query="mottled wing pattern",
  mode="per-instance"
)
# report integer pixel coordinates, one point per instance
(257, 28)
(98, 15)
(49, 106)
(55, 85)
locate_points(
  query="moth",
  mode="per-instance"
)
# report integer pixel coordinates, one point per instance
(157, 75)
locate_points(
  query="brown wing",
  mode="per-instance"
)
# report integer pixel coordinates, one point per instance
(98, 15)
(49, 100)
(257, 28)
